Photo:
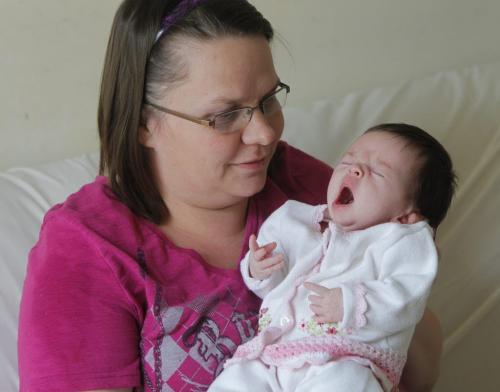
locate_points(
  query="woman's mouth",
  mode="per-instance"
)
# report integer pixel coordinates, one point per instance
(256, 164)
(345, 196)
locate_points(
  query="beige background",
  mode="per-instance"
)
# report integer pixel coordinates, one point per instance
(52, 51)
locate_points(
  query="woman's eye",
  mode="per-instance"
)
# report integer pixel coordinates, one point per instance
(228, 116)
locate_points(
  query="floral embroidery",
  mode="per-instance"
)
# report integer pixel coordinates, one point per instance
(313, 328)
(264, 319)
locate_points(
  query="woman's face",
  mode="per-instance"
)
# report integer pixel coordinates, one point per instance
(195, 164)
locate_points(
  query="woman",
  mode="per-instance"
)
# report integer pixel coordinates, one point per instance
(134, 280)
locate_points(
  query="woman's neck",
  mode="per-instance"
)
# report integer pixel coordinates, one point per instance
(216, 234)
(201, 221)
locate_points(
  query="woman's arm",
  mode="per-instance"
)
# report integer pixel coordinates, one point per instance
(71, 309)
(424, 355)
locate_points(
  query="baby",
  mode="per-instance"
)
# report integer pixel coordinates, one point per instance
(344, 284)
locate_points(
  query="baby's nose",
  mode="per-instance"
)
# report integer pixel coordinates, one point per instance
(356, 170)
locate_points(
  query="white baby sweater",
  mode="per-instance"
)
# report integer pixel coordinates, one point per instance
(385, 273)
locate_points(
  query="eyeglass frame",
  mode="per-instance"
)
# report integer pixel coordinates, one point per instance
(210, 122)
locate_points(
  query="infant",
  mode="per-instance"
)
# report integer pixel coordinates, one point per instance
(344, 284)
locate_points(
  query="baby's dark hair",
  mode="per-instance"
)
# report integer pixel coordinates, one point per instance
(436, 179)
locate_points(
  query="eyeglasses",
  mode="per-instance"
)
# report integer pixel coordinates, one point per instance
(237, 119)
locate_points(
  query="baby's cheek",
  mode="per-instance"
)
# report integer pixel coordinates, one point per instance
(332, 186)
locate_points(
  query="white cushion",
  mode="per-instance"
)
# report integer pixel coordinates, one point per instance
(25, 195)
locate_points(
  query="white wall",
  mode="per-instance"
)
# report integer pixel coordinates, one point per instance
(52, 51)
(50, 65)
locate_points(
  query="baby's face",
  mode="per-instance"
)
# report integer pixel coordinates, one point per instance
(374, 182)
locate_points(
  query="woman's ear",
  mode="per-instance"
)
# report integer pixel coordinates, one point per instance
(145, 136)
(147, 129)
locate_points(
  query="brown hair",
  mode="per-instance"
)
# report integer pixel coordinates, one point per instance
(436, 179)
(136, 67)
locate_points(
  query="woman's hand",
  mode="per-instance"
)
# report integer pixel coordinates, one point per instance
(327, 304)
(424, 355)
(262, 262)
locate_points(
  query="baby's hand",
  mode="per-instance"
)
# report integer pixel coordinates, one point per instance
(262, 262)
(327, 305)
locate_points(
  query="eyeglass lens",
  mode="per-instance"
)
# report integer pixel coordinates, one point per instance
(239, 118)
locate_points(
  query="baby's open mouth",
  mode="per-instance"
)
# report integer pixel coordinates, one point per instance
(345, 196)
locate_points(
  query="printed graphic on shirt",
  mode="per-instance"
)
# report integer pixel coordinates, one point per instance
(185, 347)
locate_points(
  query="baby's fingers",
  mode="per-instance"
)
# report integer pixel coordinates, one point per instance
(321, 319)
(272, 263)
(267, 267)
(315, 299)
(270, 247)
(264, 251)
(317, 309)
(316, 288)
(252, 243)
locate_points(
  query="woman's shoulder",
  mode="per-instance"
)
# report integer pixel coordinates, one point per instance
(92, 209)
(91, 234)
(299, 175)
(92, 200)
(80, 280)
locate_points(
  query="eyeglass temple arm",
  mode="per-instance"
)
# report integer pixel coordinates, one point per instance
(209, 123)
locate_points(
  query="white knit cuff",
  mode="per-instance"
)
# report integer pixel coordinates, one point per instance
(355, 306)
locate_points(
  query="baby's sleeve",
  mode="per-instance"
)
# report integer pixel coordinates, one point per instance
(397, 299)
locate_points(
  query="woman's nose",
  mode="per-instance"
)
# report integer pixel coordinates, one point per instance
(260, 130)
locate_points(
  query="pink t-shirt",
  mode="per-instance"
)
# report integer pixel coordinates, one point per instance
(110, 302)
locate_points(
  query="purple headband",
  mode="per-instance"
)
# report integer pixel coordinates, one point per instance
(182, 9)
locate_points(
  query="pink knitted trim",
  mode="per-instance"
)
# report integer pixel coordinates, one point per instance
(319, 350)
(254, 348)
(360, 306)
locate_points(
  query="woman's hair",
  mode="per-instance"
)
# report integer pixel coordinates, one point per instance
(140, 67)
(436, 180)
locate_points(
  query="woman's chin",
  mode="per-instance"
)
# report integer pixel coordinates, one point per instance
(249, 187)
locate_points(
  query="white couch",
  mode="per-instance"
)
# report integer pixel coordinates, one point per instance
(459, 107)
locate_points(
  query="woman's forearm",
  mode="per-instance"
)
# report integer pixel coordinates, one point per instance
(424, 355)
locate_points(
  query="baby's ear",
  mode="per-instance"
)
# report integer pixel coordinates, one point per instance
(410, 218)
